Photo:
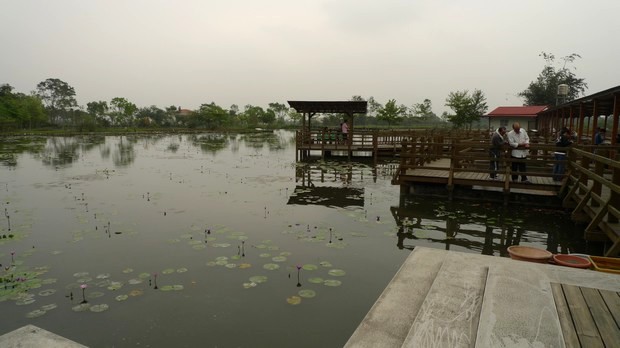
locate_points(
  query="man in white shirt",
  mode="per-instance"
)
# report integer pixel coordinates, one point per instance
(520, 144)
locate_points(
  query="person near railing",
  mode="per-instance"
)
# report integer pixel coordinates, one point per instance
(496, 150)
(344, 128)
(519, 141)
(564, 140)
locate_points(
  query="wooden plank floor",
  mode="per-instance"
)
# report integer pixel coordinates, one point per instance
(588, 317)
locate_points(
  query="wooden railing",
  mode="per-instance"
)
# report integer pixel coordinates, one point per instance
(593, 191)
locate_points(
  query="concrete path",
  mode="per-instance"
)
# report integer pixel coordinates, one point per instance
(444, 298)
(32, 336)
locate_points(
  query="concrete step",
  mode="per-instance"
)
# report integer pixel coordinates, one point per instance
(449, 314)
(389, 320)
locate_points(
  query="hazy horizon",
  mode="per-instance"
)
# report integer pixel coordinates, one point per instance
(186, 53)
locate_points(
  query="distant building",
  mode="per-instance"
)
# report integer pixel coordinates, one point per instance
(183, 115)
(507, 115)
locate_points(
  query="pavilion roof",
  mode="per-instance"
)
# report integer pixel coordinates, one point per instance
(517, 111)
(342, 107)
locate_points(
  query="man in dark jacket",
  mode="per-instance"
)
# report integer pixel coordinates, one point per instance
(496, 150)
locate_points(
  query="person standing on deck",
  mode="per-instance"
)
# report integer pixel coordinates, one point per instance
(599, 137)
(344, 128)
(497, 143)
(564, 140)
(520, 143)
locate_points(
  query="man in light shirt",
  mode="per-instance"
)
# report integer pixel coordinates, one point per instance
(520, 144)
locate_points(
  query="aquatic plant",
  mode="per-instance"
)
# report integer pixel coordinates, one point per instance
(83, 287)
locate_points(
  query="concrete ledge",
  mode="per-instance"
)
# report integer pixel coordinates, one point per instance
(32, 336)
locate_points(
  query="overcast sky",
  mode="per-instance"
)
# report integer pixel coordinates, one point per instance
(189, 52)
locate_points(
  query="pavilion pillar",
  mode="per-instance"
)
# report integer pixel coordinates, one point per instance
(581, 119)
(594, 119)
(616, 112)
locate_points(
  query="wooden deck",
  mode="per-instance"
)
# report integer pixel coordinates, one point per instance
(589, 317)
(450, 299)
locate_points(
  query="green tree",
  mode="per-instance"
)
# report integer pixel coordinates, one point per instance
(544, 91)
(59, 98)
(392, 113)
(98, 110)
(280, 111)
(423, 110)
(18, 109)
(210, 116)
(122, 111)
(151, 116)
(467, 108)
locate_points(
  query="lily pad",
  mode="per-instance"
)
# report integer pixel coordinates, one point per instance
(278, 259)
(135, 281)
(128, 270)
(249, 285)
(316, 280)
(199, 246)
(310, 267)
(115, 285)
(49, 307)
(35, 314)
(182, 270)
(80, 274)
(168, 271)
(99, 308)
(144, 275)
(293, 300)
(121, 297)
(332, 282)
(244, 265)
(95, 294)
(271, 266)
(47, 292)
(258, 279)
(136, 292)
(103, 276)
(81, 307)
(307, 293)
(264, 255)
(336, 272)
(325, 264)
(231, 265)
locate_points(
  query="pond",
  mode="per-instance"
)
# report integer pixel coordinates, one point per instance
(219, 239)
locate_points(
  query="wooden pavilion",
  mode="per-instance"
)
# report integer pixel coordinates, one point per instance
(573, 115)
(310, 108)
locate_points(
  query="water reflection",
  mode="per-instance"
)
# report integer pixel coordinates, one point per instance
(210, 143)
(12, 147)
(482, 228)
(273, 140)
(125, 153)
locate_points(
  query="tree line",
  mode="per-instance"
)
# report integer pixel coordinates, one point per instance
(54, 104)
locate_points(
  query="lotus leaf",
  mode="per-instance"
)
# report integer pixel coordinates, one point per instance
(307, 293)
(293, 300)
(99, 308)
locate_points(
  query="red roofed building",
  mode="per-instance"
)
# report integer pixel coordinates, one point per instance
(507, 115)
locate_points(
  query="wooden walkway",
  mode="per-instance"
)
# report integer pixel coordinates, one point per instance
(589, 317)
(450, 299)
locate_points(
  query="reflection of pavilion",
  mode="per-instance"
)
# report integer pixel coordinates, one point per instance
(334, 173)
